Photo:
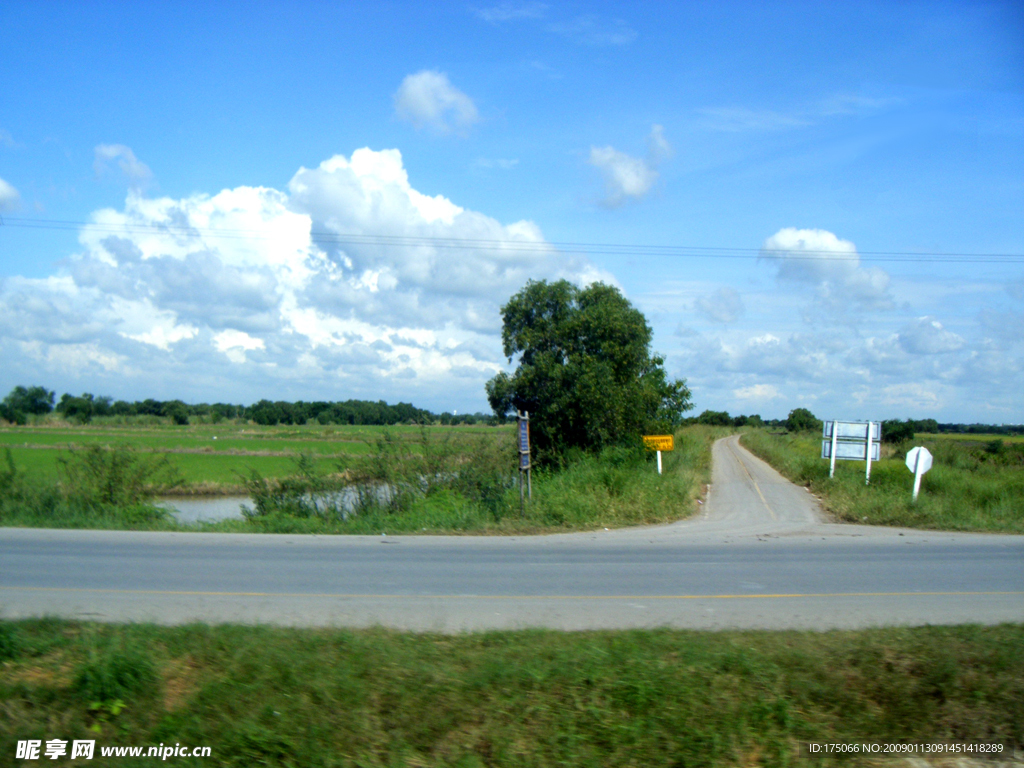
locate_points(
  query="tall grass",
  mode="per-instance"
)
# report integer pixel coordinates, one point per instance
(440, 485)
(98, 489)
(274, 696)
(975, 486)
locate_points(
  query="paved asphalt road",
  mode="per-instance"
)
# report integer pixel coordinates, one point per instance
(759, 554)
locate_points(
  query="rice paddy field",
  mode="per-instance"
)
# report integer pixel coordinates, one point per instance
(210, 457)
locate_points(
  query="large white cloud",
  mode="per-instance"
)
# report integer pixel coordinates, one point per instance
(819, 258)
(349, 284)
(428, 99)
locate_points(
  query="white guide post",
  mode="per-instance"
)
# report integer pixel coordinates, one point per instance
(835, 438)
(659, 462)
(867, 472)
(919, 461)
(917, 475)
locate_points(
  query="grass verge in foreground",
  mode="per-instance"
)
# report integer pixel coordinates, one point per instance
(972, 486)
(272, 696)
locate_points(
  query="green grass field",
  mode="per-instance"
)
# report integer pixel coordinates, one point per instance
(210, 456)
(294, 697)
(974, 485)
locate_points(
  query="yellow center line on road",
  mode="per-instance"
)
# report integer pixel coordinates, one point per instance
(756, 486)
(197, 593)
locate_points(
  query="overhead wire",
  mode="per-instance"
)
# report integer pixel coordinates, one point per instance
(525, 246)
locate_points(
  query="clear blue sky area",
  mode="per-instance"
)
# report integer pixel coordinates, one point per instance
(236, 201)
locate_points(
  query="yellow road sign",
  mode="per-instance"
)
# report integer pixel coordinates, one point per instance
(659, 442)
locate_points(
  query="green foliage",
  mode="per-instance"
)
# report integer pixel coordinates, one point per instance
(116, 669)
(117, 476)
(586, 374)
(10, 641)
(26, 400)
(896, 431)
(715, 419)
(802, 420)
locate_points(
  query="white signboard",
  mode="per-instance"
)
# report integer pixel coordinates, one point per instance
(919, 461)
(853, 430)
(852, 451)
(852, 440)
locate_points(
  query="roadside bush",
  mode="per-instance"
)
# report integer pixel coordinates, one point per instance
(117, 476)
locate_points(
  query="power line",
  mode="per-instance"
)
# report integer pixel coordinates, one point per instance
(607, 249)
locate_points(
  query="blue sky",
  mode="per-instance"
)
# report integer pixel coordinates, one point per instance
(215, 160)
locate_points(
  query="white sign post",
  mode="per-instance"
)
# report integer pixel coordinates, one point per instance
(919, 461)
(852, 440)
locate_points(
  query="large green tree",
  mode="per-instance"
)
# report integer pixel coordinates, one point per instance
(586, 373)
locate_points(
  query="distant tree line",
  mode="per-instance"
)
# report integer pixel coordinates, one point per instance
(23, 402)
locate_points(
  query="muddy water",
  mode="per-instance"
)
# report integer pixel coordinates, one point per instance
(209, 508)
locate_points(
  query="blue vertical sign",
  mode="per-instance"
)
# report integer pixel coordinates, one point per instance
(524, 443)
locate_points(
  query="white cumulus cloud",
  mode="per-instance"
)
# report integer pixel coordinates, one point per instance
(428, 99)
(819, 258)
(350, 283)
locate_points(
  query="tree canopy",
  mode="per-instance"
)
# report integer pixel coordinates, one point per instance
(586, 373)
(802, 420)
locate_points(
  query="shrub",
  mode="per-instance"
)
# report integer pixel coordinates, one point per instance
(116, 476)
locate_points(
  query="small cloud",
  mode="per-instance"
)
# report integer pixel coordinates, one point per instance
(497, 162)
(428, 99)
(234, 344)
(759, 393)
(624, 176)
(685, 332)
(591, 30)
(6, 140)
(627, 177)
(658, 148)
(135, 171)
(10, 199)
(723, 306)
(926, 336)
(511, 12)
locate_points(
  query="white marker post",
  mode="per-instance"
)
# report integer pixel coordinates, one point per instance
(867, 472)
(835, 439)
(919, 461)
(659, 462)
